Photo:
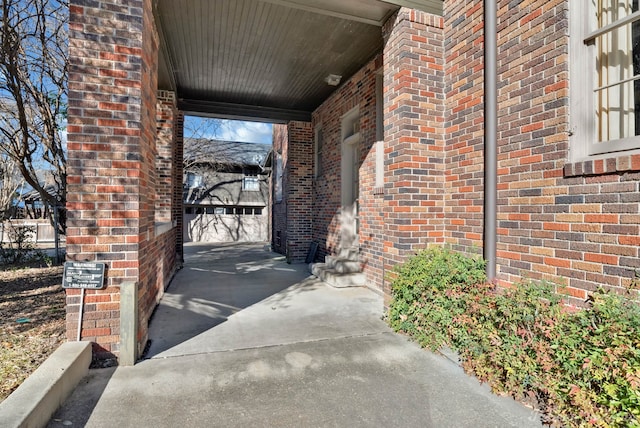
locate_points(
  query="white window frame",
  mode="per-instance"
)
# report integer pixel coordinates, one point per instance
(583, 74)
(278, 190)
(251, 182)
(194, 180)
(379, 145)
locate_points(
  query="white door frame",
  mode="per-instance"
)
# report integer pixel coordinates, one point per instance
(350, 154)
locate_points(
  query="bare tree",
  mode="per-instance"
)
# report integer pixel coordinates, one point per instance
(9, 185)
(33, 72)
(197, 149)
(203, 149)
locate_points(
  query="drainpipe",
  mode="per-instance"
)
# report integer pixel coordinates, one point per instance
(490, 137)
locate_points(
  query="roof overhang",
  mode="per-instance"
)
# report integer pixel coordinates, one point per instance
(267, 60)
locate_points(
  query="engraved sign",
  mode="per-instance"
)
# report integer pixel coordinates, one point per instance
(83, 275)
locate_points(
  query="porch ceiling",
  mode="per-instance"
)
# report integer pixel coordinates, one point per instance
(266, 59)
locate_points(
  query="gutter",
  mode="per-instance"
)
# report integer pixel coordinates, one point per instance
(490, 137)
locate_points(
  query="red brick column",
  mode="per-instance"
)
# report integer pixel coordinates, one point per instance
(167, 115)
(111, 157)
(178, 155)
(464, 125)
(298, 191)
(413, 122)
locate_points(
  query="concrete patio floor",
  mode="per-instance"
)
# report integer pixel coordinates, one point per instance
(241, 338)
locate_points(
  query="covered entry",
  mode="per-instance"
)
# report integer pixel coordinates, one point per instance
(136, 67)
(244, 296)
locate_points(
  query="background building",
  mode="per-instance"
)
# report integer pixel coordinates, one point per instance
(225, 191)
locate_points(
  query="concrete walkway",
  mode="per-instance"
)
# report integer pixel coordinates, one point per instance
(241, 339)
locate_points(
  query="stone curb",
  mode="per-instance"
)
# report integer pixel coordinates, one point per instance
(40, 395)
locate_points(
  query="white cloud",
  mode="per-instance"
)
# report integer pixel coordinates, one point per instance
(230, 130)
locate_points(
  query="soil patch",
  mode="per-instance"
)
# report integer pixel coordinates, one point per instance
(32, 321)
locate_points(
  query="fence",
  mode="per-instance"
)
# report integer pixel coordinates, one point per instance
(42, 231)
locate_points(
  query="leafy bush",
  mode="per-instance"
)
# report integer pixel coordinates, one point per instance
(429, 292)
(582, 368)
(596, 372)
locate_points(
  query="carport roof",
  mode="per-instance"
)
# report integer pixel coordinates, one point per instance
(266, 59)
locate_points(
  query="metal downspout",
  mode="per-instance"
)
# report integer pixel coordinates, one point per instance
(490, 137)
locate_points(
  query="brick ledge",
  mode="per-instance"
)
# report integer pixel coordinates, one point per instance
(40, 395)
(610, 165)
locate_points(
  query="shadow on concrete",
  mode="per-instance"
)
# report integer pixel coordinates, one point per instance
(80, 406)
(243, 339)
(216, 282)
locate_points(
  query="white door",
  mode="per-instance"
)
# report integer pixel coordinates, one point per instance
(350, 182)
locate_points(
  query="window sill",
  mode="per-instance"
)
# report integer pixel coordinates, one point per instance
(611, 164)
(164, 227)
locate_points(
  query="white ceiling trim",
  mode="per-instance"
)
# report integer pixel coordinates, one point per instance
(331, 10)
(429, 6)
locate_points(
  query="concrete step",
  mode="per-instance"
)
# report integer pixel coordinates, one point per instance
(342, 265)
(352, 253)
(338, 279)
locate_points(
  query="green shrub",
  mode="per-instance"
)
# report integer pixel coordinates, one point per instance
(428, 293)
(596, 371)
(582, 368)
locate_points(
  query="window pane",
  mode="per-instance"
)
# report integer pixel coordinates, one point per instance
(251, 183)
(618, 111)
(194, 180)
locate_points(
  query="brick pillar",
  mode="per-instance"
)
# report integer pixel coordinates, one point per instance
(166, 112)
(298, 190)
(464, 86)
(178, 209)
(413, 133)
(111, 157)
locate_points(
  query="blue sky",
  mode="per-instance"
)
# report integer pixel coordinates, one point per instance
(229, 130)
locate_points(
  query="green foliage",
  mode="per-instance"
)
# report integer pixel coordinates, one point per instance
(428, 293)
(582, 368)
(596, 375)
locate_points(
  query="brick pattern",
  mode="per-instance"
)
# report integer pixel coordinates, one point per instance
(532, 140)
(464, 127)
(112, 155)
(575, 224)
(292, 218)
(177, 212)
(359, 91)
(413, 133)
(298, 189)
(165, 143)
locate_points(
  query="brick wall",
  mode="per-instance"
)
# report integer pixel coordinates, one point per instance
(464, 126)
(298, 189)
(359, 91)
(112, 155)
(292, 217)
(413, 134)
(575, 224)
(165, 142)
